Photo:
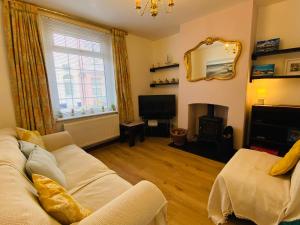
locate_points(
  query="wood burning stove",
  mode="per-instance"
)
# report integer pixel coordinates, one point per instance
(210, 127)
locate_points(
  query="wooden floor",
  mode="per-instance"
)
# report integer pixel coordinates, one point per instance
(184, 178)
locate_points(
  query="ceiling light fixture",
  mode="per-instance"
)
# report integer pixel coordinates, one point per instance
(154, 5)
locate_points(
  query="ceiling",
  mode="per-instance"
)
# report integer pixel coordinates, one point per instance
(122, 14)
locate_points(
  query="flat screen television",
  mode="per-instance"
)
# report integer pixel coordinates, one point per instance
(157, 106)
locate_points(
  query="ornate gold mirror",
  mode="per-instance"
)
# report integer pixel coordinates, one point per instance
(213, 58)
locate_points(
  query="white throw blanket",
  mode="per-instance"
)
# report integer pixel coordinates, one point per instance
(244, 188)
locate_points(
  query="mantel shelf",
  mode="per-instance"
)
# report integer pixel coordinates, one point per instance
(255, 55)
(154, 69)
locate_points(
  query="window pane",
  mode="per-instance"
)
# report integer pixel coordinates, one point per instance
(60, 60)
(74, 61)
(96, 47)
(66, 105)
(62, 75)
(78, 77)
(86, 45)
(59, 40)
(99, 64)
(77, 91)
(72, 42)
(87, 63)
(65, 90)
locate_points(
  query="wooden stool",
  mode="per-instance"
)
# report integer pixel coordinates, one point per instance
(132, 130)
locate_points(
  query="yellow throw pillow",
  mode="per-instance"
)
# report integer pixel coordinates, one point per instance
(30, 136)
(288, 162)
(57, 202)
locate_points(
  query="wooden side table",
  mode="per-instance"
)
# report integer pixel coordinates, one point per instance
(131, 130)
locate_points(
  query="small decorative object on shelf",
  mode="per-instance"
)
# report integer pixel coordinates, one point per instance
(163, 84)
(267, 45)
(292, 67)
(169, 60)
(263, 70)
(167, 81)
(154, 69)
(270, 48)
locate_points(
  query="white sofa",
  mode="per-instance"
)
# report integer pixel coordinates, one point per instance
(245, 188)
(112, 199)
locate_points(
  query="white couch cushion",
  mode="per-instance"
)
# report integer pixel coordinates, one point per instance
(77, 165)
(10, 152)
(18, 200)
(101, 191)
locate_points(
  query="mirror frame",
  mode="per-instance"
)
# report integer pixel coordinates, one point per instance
(210, 41)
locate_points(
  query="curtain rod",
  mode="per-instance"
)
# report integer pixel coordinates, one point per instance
(72, 17)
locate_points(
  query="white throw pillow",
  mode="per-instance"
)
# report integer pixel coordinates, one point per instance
(40, 162)
(27, 148)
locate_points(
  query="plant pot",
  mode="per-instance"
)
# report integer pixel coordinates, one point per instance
(178, 136)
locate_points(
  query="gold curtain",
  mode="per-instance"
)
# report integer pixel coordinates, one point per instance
(125, 105)
(27, 68)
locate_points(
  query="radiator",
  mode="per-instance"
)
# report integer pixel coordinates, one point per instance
(89, 132)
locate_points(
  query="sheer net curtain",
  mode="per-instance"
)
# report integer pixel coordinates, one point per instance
(27, 68)
(125, 104)
(80, 69)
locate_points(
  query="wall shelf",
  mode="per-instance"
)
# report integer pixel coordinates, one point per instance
(162, 84)
(154, 69)
(274, 77)
(256, 55)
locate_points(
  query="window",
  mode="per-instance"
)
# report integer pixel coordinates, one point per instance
(79, 68)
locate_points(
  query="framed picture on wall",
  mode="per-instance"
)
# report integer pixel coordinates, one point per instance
(292, 66)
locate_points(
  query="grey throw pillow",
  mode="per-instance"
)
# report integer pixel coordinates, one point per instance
(40, 162)
(27, 148)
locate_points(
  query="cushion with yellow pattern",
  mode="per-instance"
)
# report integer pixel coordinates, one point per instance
(288, 162)
(57, 202)
(30, 136)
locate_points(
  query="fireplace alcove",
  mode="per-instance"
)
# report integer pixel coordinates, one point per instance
(206, 132)
(200, 110)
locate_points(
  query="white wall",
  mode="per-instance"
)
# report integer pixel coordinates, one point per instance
(278, 20)
(234, 23)
(161, 48)
(168, 46)
(7, 115)
(140, 58)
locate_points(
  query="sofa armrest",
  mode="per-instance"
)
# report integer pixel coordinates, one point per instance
(57, 140)
(140, 205)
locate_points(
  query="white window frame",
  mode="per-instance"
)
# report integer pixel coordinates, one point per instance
(49, 27)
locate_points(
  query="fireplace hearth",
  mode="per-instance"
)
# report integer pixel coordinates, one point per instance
(208, 133)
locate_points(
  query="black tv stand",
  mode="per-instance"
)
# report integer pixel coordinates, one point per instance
(161, 130)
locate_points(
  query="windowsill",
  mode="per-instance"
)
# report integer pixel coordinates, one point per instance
(86, 116)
